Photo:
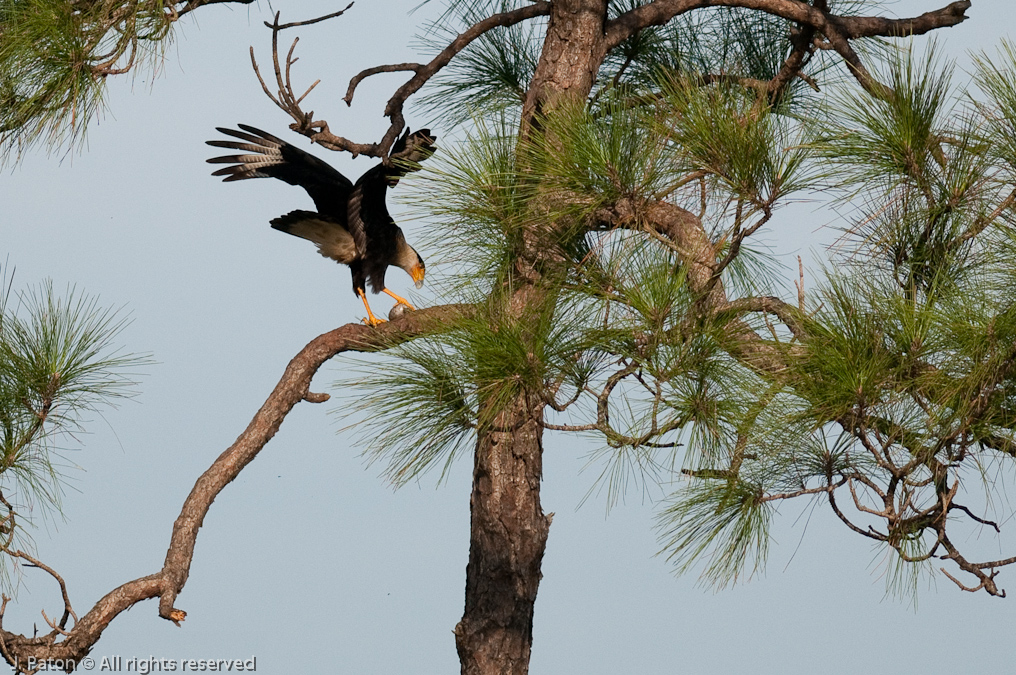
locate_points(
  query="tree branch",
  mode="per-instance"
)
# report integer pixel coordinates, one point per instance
(191, 5)
(319, 132)
(308, 22)
(293, 387)
(660, 12)
(790, 316)
(367, 72)
(839, 30)
(874, 26)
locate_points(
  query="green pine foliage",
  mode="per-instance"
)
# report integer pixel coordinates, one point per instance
(483, 207)
(733, 135)
(491, 74)
(723, 523)
(899, 377)
(423, 406)
(58, 366)
(55, 57)
(597, 156)
(922, 172)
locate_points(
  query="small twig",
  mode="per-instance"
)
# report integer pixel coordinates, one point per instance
(810, 81)
(987, 580)
(873, 534)
(569, 427)
(981, 223)
(309, 90)
(262, 81)
(960, 584)
(703, 202)
(680, 183)
(52, 624)
(308, 22)
(800, 284)
(289, 66)
(364, 74)
(275, 57)
(3, 641)
(806, 491)
(68, 610)
(982, 521)
(551, 399)
(739, 236)
(7, 524)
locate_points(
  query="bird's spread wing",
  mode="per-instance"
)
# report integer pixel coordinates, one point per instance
(408, 152)
(272, 157)
(367, 209)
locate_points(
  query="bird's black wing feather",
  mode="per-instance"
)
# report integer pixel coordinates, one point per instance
(408, 152)
(371, 225)
(272, 157)
(367, 208)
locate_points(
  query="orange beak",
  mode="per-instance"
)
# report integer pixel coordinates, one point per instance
(417, 272)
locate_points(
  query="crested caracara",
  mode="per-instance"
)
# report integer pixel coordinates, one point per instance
(352, 224)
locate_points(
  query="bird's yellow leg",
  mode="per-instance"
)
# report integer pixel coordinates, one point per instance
(401, 301)
(371, 320)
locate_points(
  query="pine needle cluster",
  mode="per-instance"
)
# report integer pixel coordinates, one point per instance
(55, 57)
(58, 365)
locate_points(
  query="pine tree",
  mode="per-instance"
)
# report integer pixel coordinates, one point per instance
(614, 162)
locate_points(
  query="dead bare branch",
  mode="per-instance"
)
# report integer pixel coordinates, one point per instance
(308, 22)
(287, 100)
(68, 609)
(800, 285)
(318, 130)
(982, 521)
(364, 74)
(956, 581)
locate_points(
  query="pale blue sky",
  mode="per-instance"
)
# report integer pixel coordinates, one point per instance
(309, 561)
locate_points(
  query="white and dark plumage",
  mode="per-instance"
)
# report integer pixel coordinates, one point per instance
(352, 224)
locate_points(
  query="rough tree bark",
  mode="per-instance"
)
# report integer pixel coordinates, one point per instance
(508, 535)
(508, 529)
(571, 55)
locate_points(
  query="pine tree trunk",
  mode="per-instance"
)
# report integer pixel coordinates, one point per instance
(508, 535)
(508, 529)
(571, 55)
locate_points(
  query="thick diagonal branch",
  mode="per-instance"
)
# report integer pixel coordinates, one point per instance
(293, 387)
